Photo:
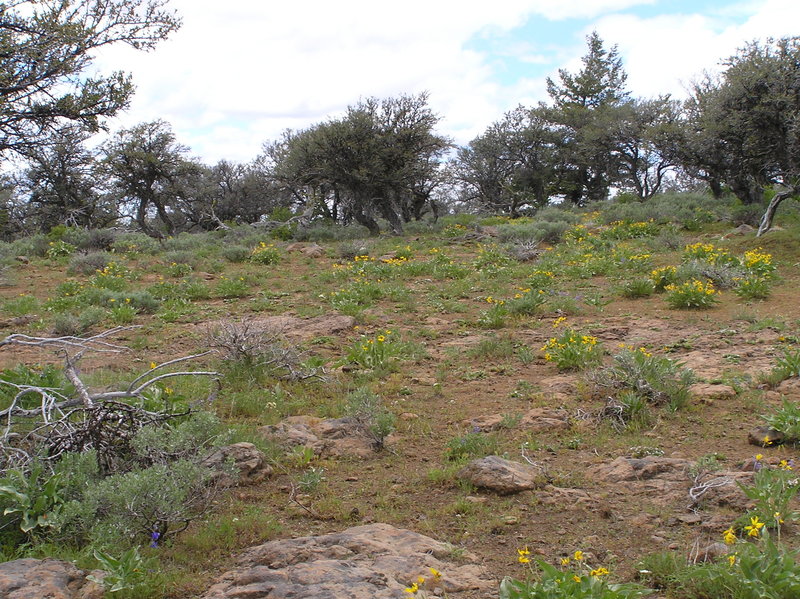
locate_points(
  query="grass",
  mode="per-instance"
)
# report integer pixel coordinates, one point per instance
(456, 357)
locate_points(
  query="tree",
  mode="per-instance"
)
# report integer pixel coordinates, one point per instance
(149, 170)
(46, 47)
(379, 160)
(748, 121)
(62, 184)
(585, 111)
(648, 135)
(510, 166)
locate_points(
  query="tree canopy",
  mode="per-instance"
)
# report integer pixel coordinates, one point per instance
(46, 47)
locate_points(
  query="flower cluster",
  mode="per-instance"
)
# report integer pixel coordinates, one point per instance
(422, 583)
(265, 253)
(572, 350)
(692, 294)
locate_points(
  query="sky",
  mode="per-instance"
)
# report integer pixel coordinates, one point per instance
(240, 72)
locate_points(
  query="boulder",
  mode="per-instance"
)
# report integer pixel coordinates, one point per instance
(376, 561)
(246, 459)
(637, 469)
(764, 436)
(501, 475)
(332, 437)
(535, 420)
(308, 328)
(48, 578)
(706, 391)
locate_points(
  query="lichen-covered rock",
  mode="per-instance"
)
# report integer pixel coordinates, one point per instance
(377, 561)
(246, 458)
(332, 437)
(45, 579)
(501, 475)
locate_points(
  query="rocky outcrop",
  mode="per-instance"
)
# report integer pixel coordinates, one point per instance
(332, 437)
(501, 475)
(238, 464)
(535, 420)
(377, 561)
(48, 578)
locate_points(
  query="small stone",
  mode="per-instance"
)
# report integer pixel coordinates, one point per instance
(510, 520)
(764, 436)
(500, 475)
(409, 416)
(22, 259)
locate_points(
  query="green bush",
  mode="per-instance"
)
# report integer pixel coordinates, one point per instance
(471, 445)
(87, 264)
(660, 380)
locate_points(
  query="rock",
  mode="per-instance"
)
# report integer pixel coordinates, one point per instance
(48, 578)
(408, 416)
(22, 259)
(712, 552)
(333, 437)
(535, 420)
(567, 498)
(313, 251)
(375, 561)
(635, 469)
(764, 436)
(728, 494)
(501, 475)
(245, 457)
(706, 391)
(308, 328)
(743, 229)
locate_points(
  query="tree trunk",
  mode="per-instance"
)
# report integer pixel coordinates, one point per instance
(766, 220)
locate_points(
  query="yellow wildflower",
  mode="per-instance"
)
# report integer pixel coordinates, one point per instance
(729, 536)
(753, 529)
(412, 590)
(523, 554)
(578, 555)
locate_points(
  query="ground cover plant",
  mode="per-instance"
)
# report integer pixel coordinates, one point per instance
(443, 346)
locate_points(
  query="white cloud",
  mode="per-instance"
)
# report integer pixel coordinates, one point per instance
(240, 72)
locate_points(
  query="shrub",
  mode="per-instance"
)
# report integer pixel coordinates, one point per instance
(636, 288)
(471, 445)
(265, 254)
(235, 253)
(87, 264)
(772, 492)
(660, 380)
(693, 294)
(59, 249)
(164, 498)
(572, 350)
(369, 412)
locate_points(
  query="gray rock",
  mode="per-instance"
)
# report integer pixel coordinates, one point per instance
(48, 578)
(376, 561)
(246, 458)
(764, 436)
(501, 475)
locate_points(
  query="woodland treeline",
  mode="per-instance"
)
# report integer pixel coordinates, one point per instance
(383, 163)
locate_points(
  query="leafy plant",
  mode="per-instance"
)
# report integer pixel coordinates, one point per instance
(753, 287)
(126, 572)
(692, 294)
(572, 350)
(32, 499)
(555, 583)
(772, 492)
(658, 379)
(639, 287)
(786, 419)
(265, 254)
(373, 352)
(471, 445)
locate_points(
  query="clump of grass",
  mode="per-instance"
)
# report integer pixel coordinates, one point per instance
(471, 445)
